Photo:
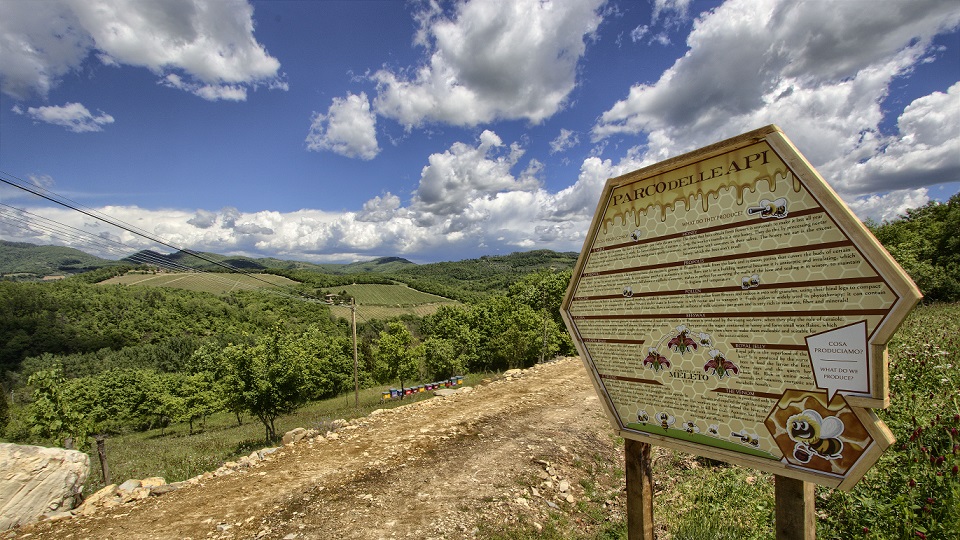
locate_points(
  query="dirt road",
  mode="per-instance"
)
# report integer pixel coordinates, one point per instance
(520, 454)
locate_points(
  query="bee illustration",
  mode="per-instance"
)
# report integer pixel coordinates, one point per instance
(713, 430)
(748, 438)
(637, 235)
(627, 291)
(690, 427)
(664, 419)
(767, 208)
(643, 417)
(815, 435)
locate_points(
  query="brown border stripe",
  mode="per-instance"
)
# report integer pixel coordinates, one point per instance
(750, 393)
(614, 340)
(715, 228)
(720, 258)
(736, 314)
(767, 347)
(733, 288)
(631, 379)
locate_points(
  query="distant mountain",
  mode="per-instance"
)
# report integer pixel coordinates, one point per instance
(196, 260)
(472, 278)
(30, 261)
(218, 263)
(483, 275)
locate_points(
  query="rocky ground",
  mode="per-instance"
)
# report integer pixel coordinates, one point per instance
(526, 454)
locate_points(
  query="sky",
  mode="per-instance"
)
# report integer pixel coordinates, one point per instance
(338, 131)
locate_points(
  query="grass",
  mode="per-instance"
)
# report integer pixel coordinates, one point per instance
(376, 301)
(177, 455)
(389, 295)
(369, 313)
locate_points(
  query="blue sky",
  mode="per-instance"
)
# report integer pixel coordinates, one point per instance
(339, 131)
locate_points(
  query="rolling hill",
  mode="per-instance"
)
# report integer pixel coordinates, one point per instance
(29, 261)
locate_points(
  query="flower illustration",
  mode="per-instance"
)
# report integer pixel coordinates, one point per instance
(656, 360)
(718, 365)
(682, 342)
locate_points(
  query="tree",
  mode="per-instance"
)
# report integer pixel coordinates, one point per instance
(926, 244)
(53, 414)
(4, 410)
(441, 360)
(328, 363)
(210, 362)
(398, 357)
(544, 292)
(200, 398)
(511, 334)
(268, 377)
(452, 344)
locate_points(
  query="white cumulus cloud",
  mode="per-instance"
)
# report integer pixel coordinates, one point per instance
(464, 173)
(73, 116)
(491, 60)
(207, 45)
(820, 70)
(349, 128)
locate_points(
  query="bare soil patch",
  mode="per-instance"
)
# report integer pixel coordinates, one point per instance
(522, 453)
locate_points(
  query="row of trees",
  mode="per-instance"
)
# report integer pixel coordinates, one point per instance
(266, 377)
(926, 243)
(268, 372)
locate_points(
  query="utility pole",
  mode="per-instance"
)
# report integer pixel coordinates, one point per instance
(356, 377)
(543, 349)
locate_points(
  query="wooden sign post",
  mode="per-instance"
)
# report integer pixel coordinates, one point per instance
(727, 303)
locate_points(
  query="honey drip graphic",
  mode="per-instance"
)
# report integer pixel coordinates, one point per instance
(774, 173)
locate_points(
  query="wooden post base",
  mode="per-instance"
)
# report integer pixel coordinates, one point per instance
(795, 508)
(639, 473)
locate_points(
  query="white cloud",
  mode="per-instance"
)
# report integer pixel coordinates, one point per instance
(349, 128)
(675, 9)
(379, 209)
(820, 70)
(73, 116)
(203, 219)
(490, 60)
(40, 42)
(639, 32)
(469, 197)
(465, 173)
(889, 206)
(208, 45)
(566, 140)
(925, 152)
(209, 92)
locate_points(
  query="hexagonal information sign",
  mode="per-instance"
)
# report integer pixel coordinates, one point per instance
(728, 303)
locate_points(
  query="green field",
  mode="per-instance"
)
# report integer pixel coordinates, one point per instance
(210, 282)
(387, 301)
(374, 301)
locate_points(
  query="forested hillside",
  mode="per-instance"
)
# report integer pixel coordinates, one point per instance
(475, 278)
(29, 261)
(79, 356)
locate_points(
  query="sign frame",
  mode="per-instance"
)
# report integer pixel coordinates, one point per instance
(857, 402)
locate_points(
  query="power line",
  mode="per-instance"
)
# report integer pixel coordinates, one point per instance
(29, 221)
